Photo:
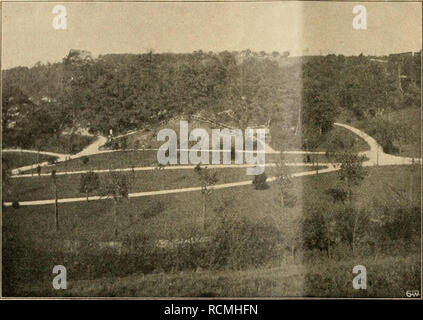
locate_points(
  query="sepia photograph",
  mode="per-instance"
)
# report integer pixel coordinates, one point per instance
(205, 150)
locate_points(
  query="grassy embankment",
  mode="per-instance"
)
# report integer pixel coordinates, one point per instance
(30, 229)
(19, 159)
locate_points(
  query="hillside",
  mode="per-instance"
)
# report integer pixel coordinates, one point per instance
(126, 92)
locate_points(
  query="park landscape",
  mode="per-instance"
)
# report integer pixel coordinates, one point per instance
(82, 187)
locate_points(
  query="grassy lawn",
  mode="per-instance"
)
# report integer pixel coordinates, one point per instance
(387, 185)
(148, 138)
(129, 158)
(62, 145)
(176, 216)
(42, 188)
(19, 159)
(109, 160)
(343, 137)
(180, 214)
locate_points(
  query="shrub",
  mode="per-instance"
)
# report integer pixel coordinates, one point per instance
(337, 194)
(137, 144)
(89, 182)
(237, 242)
(124, 143)
(85, 159)
(316, 232)
(15, 204)
(401, 223)
(259, 182)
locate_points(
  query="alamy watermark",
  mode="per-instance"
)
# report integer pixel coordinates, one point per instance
(60, 20)
(360, 280)
(200, 152)
(59, 281)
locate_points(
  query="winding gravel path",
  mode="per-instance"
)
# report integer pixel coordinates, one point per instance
(91, 149)
(375, 156)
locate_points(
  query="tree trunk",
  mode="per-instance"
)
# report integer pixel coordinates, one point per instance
(317, 168)
(56, 208)
(282, 201)
(204, 211)
(86, 194)
(399, 80)
(349, 192)
(410, 196)
(354, 233)
(115, 217)
(293, 249)
(298, 128)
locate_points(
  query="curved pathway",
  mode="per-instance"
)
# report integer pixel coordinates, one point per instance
(60, 157)
(169, 191)
(47, 153)
(375, 156)
(172, 167)
(91, 149)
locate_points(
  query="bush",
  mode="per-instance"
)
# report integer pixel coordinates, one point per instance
(15, 204)
(338, 194)
(124, 143)
(316, 232)
(85, 159)
(401, 223)
(237, 243)
(259, 182)
(342, 226)
(137, 144)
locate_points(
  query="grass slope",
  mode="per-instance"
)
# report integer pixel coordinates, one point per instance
(27, 231)
(14, 160)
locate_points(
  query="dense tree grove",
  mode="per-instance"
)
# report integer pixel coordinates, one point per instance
(128, 91)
